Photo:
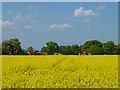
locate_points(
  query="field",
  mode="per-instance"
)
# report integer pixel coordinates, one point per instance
(60, 71)
(0, 72)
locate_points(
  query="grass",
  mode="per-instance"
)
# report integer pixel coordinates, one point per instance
(60, 71)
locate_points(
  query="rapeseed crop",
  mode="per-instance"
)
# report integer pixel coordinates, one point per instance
(60, 71)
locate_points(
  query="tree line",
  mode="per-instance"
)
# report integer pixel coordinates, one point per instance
(92, 47)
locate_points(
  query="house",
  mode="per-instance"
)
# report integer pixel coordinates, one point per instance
(84, 52)
(32, 52)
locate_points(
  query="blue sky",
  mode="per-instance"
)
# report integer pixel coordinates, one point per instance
(65, 23)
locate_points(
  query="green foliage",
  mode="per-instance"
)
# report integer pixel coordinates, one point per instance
(75, 49)
(11, 46)
(117, 49)
(109, 47)
(29, 49)
(43, 49)
(95, 50)
(69, 50)
(93, 47)
(52, 47)
(88, 44)
(23, 52)
(65, 50)
(0, 49)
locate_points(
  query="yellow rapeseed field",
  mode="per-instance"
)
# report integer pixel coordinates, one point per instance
(0, 72)
(60, 71)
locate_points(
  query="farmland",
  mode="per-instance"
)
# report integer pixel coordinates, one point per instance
(60, 71)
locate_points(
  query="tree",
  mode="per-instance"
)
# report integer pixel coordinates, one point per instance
(30, 50)
(11, 47)
(65, 50)
(69, 50)
(0, 49)
(6, 49)
(43, 49)
(117, 49)
(15, 46)
(52, 47)
(23, 52)
(109, 47)
(88, 44)
(95, 50)
(75, 49)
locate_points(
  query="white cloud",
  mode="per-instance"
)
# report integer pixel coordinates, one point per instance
(81, 12)
(23, 17)
(100, 7)
(60, 26)
(7, 23)
(21, 21)
(86, 21)
(89, 13)
(19, 17)
(28, 26)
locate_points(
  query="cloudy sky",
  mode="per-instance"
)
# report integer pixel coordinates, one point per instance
(34, 24)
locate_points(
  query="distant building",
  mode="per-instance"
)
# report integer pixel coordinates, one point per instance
(32, 52)
(84, 52)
